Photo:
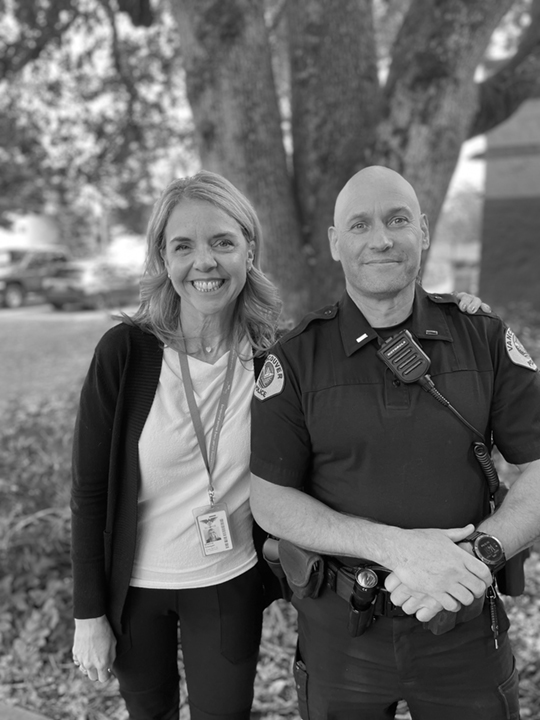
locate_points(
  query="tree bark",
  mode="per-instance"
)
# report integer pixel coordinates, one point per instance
(431, 96)
(335, 104)
(231, 91)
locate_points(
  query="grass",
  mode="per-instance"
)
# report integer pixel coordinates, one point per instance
(44, 355)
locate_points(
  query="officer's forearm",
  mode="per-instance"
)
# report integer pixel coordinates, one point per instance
(517, 522)
(291, 514)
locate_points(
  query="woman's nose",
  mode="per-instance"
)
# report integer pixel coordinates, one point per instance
(204, 259)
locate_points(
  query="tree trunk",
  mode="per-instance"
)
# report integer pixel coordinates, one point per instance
(431, 96)
(231, 91)
(335, 105)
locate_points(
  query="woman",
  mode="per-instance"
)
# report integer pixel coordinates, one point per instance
(161, 526)
(162, 532)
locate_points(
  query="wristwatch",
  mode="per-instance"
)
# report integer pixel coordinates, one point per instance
(487, 549)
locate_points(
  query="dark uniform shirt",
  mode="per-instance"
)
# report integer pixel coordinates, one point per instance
(329, 417)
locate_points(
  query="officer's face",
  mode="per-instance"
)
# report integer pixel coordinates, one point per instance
(379, 235)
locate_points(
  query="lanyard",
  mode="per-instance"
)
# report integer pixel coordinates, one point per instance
(208, 457)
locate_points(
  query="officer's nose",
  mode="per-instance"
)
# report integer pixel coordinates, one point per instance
(379, 238)
(204, 259)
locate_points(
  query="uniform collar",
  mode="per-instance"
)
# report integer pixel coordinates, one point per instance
(428, 322)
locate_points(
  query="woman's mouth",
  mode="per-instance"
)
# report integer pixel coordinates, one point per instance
(206, 286)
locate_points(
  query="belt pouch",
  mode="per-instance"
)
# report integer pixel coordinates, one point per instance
(360, 620)
(304, 569)
(445, 620)
(511, 579)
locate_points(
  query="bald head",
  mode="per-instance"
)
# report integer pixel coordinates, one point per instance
(372, 182)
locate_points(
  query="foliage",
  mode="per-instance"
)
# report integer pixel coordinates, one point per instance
(90, 128)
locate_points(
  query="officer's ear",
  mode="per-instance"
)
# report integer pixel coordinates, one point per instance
(424, 227)
(333, 238)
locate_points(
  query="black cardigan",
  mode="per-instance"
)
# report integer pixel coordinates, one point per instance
(116, 398)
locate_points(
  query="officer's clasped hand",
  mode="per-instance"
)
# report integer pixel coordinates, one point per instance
(432, 573)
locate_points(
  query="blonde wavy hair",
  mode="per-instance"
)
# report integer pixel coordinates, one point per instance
(257, 307)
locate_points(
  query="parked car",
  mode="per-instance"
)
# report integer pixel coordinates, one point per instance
(24, 269)
(95, 283)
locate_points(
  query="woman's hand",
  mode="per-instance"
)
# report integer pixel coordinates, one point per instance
(94, 648)
(470, 303)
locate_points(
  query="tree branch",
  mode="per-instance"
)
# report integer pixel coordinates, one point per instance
(517, 80)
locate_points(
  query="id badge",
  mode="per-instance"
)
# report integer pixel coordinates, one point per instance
(213, 529)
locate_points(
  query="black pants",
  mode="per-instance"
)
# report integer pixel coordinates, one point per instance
(455, 676)
(220, 629)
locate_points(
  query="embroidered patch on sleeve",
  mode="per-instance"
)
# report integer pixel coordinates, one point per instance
(271, 380)
(517, 353)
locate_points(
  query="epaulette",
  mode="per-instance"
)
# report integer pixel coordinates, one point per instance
(443, 298)
(328, 312)
(450, 298)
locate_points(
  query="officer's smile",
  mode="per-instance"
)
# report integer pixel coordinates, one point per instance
(386, 261)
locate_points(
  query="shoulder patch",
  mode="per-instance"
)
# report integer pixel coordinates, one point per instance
(517, 353)
(271, 379)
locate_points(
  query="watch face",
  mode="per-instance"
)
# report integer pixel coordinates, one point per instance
(489, 549)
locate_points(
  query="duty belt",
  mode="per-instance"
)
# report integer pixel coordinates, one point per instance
(340, 579)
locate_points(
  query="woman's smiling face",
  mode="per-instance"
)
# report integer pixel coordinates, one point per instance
(207, 257)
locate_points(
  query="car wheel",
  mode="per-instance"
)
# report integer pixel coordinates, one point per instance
(13, 296)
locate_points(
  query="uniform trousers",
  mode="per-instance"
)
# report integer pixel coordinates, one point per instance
(220, 628)
(458, 675)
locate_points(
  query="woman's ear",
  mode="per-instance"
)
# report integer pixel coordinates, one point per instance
(250, 256)
(164, 258)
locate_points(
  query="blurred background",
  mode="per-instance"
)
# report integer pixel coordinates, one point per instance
(103, 102)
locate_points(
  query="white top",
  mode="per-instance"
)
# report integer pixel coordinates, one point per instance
(174, 479)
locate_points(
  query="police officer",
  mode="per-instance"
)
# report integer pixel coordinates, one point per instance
(370, 471)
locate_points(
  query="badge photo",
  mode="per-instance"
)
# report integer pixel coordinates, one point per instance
(213, 528)
(517, 353)
(271, 379)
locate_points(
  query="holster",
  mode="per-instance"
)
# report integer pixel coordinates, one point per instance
(303, 569)
(360, 620)
(270, 553)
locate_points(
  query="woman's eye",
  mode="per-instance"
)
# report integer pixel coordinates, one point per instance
(225, 243)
